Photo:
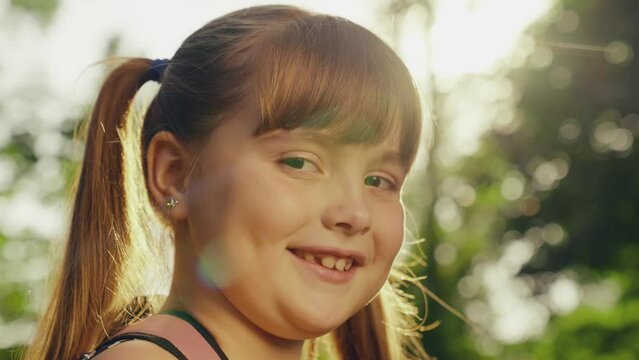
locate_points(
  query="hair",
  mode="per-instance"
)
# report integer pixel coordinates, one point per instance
(260, 56)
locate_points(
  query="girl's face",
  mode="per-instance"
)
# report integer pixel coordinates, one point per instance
(297, 231)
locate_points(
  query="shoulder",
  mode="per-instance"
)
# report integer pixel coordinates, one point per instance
(135, 349)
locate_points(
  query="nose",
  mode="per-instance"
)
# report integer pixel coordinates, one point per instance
(349, 215)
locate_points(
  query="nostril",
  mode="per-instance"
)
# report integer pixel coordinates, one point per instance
(346, 219)
(351, 230)
(345, 226)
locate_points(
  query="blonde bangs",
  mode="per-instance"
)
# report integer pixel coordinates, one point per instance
(329, 73)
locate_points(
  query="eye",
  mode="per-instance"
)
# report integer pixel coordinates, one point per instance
(299, 163)
(379, 182)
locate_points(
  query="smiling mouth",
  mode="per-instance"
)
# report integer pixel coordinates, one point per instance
(332, 262)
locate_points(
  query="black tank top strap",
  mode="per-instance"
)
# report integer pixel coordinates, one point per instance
(200, 328)
(160, 341)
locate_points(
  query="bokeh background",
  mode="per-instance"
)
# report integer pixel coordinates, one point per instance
(528, 202)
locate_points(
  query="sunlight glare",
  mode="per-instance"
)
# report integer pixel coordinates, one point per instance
(413, 45)
(471, 36)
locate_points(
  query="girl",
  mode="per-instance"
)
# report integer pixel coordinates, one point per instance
(274, 152)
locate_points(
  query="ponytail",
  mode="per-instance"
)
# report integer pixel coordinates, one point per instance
(81, 312)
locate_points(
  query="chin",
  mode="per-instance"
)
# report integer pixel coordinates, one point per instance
(314, 325)
(308, 333)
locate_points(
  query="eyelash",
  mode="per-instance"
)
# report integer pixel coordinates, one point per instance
(297, 163)
(295, 160)
(390, 187)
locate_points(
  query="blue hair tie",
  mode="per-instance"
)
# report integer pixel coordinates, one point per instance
(156, 69)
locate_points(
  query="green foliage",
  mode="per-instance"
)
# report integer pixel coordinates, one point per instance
(13, 302)
(11, 353)
(571, 146)
(590, 333)
(44, 10)
(22, 250)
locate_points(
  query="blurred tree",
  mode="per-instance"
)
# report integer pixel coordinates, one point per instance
(25, 156)
(535, 235)
(44, 10)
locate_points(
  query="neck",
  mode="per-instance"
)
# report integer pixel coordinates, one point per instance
(236, 334)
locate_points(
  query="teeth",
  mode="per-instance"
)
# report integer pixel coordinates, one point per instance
(328, 261)
(348, 264)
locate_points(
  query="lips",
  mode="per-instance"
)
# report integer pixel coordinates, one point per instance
(330, 264)
(326, 260)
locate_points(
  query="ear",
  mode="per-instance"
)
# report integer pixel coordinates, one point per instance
(167, 166)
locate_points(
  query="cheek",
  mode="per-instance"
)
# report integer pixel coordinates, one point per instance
(390, 233)
(239, 215)
(248, 199)
(267, 205)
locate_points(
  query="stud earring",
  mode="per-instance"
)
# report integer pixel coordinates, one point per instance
(171, 203)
